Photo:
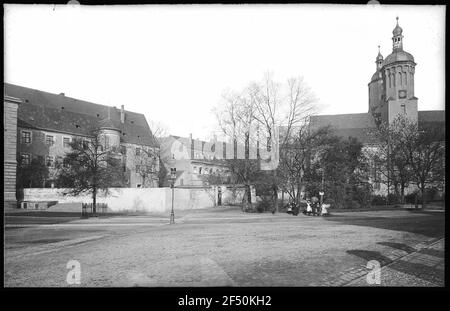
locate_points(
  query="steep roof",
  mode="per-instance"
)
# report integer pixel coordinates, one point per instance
(40, 117)
(356, 125)
(46, 108)
(398, 56)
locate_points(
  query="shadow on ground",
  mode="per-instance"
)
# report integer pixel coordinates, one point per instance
(428, 223)
(399, 246)
(370, 255)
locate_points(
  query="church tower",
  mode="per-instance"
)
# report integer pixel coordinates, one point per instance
(376, 89)
(395, 91)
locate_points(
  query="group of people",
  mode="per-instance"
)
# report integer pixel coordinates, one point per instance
(313, 208)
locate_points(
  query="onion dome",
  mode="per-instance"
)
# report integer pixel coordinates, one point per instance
(397, 30)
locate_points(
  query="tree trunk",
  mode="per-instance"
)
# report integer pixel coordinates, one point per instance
(402, 194)
(299, 187)
(422, 190)
(275, 201)
(94, 201)
(248, 192)
(275, 193)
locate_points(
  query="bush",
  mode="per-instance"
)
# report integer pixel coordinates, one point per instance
(264, 205)
(411, 198)
(378, 200)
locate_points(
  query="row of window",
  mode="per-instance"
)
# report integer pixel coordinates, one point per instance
(208, 171)
(26, 137)
(144, 151)
(50, 161)
(145, 168)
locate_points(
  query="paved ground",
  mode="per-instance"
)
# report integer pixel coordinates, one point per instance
(225, 247)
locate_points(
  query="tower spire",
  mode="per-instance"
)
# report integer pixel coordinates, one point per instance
(397, 39)
(379, 59)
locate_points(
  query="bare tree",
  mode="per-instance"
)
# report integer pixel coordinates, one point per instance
(91, 166)
(236, 119)
(256, 112)
(425, 150)
(303, 146)
(281, 106)
(388, 158)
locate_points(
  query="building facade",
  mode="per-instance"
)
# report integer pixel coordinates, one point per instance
(10, 107)
(195, 166)
(47, 124)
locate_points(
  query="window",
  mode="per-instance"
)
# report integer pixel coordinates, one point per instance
(123, 150)
(49, 140)
(66, 142)
(26, 137)
(49, 161)
(25, 158)
(85, 144)
(138, 151)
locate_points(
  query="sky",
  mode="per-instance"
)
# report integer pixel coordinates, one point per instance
(173, 63)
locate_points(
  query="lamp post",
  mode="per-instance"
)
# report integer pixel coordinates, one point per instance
(173, 175)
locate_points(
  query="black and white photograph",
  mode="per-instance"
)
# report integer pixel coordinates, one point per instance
(224, 146)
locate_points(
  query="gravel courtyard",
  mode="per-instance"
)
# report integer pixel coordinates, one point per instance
(214, 247)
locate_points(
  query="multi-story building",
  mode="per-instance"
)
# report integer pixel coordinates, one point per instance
(47, 123)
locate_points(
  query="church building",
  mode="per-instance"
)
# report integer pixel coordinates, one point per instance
(391, 92)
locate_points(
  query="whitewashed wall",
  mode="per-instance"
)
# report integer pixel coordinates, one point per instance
(142, 199)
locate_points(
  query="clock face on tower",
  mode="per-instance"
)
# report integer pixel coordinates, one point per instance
(402, 94)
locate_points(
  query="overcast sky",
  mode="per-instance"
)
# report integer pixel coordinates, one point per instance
(172, 63)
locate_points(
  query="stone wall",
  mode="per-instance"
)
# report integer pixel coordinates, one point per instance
(143, 199)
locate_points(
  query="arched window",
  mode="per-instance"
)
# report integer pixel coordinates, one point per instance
(400, 78)
(389, 78)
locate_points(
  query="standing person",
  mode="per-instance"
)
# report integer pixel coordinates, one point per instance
(315, 208)
(308, 207)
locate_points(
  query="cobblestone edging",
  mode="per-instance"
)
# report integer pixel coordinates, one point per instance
(347, 277)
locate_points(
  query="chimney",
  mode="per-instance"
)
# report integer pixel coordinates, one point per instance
(122, 114)
(62, 94)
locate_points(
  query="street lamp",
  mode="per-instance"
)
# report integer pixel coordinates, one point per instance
(173, 176)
